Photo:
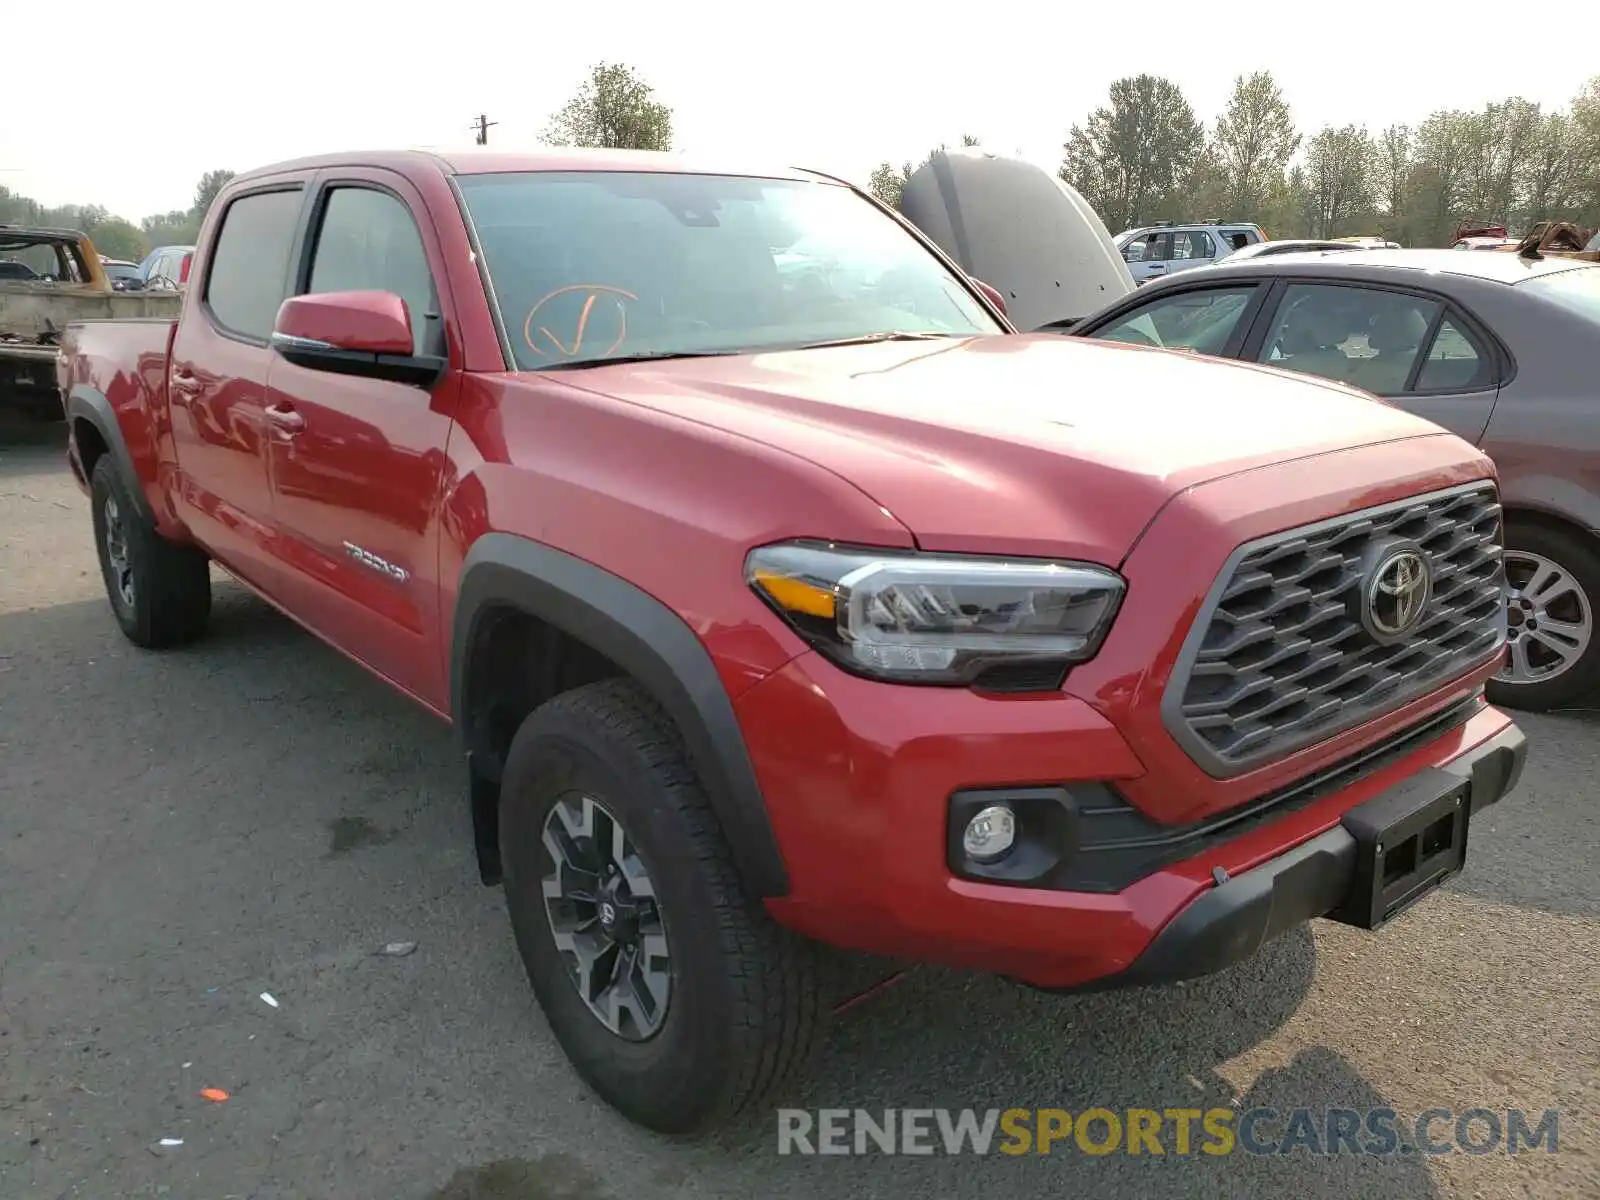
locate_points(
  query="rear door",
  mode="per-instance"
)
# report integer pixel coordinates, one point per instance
(218, 373)
(356, 462)
(1191, 248)
(1413, 348)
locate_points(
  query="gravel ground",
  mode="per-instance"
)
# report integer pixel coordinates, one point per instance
(180, 833)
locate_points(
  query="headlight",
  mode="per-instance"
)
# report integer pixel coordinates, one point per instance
(922, 618)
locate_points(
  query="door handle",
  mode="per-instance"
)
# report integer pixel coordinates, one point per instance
(285, 419)
(186, 383)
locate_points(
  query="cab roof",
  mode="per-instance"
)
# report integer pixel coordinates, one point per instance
(42, 233)
(486, 161)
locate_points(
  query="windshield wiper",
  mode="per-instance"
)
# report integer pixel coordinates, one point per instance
(1063, 324)
(867, 339)
(643, 356)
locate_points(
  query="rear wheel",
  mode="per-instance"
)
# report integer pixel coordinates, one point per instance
(1552, 652)
(160, 591)
(675, 996)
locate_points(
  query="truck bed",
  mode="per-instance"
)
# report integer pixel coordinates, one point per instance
(34, 319)
(37, 313)
(123, 363)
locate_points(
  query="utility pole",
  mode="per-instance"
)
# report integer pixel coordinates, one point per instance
(482, 126)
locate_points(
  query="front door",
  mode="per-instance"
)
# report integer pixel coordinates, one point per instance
(1147, 255)
(217, 376)
(1411, 348)
(356, 463)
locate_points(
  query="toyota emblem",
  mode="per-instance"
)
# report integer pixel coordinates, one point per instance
(1397, 594)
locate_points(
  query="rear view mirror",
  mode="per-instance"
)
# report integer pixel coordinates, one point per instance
(990, 294)
(353, 333)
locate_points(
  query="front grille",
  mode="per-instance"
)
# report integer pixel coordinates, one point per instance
(1279, 657)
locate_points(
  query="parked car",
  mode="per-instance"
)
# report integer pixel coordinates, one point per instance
(771, 616)
(1165, 249)
(1369, 242)
(1495, 347)
(124, 275)
(1287, 246)
(1485, 243)
(166, 268)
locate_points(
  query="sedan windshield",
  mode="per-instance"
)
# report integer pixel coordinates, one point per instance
(1577, 289)
(597, 266)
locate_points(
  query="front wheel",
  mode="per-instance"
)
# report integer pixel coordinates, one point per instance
(675, 996)
(1552, 653)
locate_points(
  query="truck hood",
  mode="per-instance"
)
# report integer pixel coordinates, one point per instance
(1016, 444)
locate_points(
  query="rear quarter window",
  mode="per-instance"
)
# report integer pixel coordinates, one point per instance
(248, 276)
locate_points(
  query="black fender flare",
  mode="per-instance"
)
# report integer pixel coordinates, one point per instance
(653, 645)
(84, 403)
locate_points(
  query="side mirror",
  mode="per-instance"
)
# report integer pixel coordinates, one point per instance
(353, 333)
(990, 294)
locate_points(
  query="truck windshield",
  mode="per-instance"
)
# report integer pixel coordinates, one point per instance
(588, 266)
(1577, 289)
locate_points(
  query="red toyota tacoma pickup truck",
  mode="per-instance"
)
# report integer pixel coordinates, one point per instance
(784, 597)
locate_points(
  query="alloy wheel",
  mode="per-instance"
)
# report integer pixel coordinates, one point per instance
(1549, 619)
(605, 919)
(116, 543)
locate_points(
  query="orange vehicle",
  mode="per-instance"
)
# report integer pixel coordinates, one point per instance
(50, 278)
(1560, 238)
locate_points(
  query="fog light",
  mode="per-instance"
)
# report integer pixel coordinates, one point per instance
(990, 834)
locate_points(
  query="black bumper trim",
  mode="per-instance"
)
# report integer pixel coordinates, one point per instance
(1237, 917)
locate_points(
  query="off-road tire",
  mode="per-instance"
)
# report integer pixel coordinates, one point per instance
(747, 998)
(1577, 556)
(170, 582)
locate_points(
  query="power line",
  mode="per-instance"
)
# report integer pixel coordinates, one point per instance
(482, 125)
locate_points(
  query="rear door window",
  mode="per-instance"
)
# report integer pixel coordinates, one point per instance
(1368, 337)
(1191, 244)
(248, 276)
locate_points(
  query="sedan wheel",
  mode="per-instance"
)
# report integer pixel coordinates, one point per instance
(1552, 588)
(1548, 616)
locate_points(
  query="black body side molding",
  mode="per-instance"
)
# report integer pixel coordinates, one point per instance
(86, 404)
(648, 641)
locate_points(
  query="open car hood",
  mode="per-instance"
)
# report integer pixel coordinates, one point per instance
(1020, 229)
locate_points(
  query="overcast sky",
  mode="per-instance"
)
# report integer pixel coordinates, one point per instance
(181, 87)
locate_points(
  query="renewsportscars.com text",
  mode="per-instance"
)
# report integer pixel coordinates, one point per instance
(1181, 1131)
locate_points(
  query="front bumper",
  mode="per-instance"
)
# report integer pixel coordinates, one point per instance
(1317, 878)
(858, 778)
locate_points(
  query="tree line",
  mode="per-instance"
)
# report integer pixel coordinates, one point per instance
(1145, 156)
(114, 236)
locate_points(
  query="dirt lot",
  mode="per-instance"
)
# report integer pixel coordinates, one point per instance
(181, 833)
